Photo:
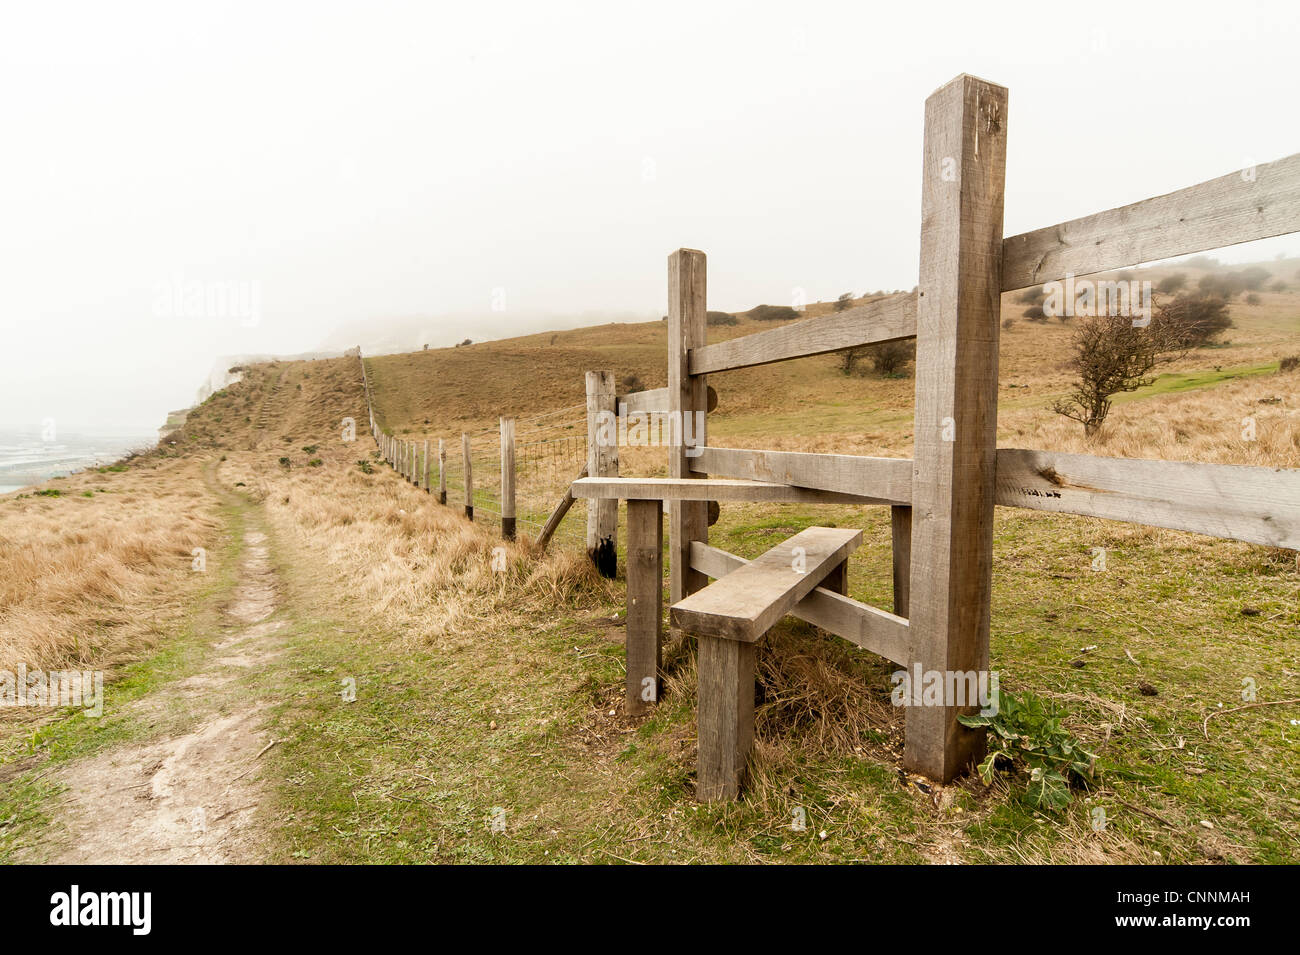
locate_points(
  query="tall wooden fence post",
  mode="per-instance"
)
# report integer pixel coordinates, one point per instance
(508, 478)
(428, 469)
(687, 394)
(602, 461)
(442, 472)
(963, 173)
(469, 475)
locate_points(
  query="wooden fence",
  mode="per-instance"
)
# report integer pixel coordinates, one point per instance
(516, 475)
(942, 499)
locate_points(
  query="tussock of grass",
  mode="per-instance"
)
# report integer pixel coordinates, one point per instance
(88, 581)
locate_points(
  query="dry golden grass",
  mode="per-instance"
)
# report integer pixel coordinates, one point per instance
(418, 567)
(91, 580)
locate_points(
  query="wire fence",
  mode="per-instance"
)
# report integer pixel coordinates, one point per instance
(550, 449)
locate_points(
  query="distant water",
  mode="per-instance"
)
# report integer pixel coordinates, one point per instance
(26, 459)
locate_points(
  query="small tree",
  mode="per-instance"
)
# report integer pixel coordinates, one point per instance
(1194, 321)
(1172, 283)
(844, 301)
(888, 358)
(849, 359)
(1112, 356)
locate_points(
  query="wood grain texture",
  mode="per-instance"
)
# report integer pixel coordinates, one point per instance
(884, 480)
(687, 393)
(744, 604)
(885, 320)
(705, 489)
(964, 168)
(726, 717)
(1252, 504)
(645, 603)
(653, 401)
(1242, 206)
(861, 624)
(428, 470)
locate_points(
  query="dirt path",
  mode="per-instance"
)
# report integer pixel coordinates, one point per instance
(187, 797)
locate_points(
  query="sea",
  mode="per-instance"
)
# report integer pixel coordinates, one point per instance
(32, 458)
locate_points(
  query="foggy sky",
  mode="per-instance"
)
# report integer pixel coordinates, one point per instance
(480, 169)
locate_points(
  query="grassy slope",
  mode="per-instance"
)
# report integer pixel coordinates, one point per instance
(476, 692)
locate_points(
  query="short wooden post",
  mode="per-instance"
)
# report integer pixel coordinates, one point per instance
(602, 461)
(687, 394)
(645, 603)
(428, 469)
(956, 409)
(726, 717)
(900, 521)
(442, 472)
(469, 475)
(508, 478)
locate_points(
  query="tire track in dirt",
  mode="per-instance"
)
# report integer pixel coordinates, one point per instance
(190, 797)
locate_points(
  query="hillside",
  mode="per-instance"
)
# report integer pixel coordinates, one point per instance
(341, 670)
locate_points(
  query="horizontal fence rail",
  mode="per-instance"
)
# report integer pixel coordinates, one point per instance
(888, 319)
(1255, 203)
(1252, 504)
(879, 480)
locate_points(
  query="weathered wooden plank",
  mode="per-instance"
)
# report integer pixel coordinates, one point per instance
(1249, 204)
(557, 515)
(645, 603)
(885, 320)
(687, 394)
(705, 489)
(1253, 504)
(745, 604)
(508, 478)
(653, 401)
(726, 717)
(956, 407)
(866, 626)
(427, 482)
(885, 480)
(602, 462)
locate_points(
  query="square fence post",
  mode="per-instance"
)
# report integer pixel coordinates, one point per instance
(963, 173)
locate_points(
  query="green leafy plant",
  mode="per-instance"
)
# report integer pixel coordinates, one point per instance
(1026, 734)
(365, 466)
(315, 463)
(49, 492)
(310, 448)
(285, 462)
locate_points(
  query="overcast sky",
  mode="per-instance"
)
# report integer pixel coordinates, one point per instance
(481, 168)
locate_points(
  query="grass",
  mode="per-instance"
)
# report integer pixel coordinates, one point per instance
(479, 690)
